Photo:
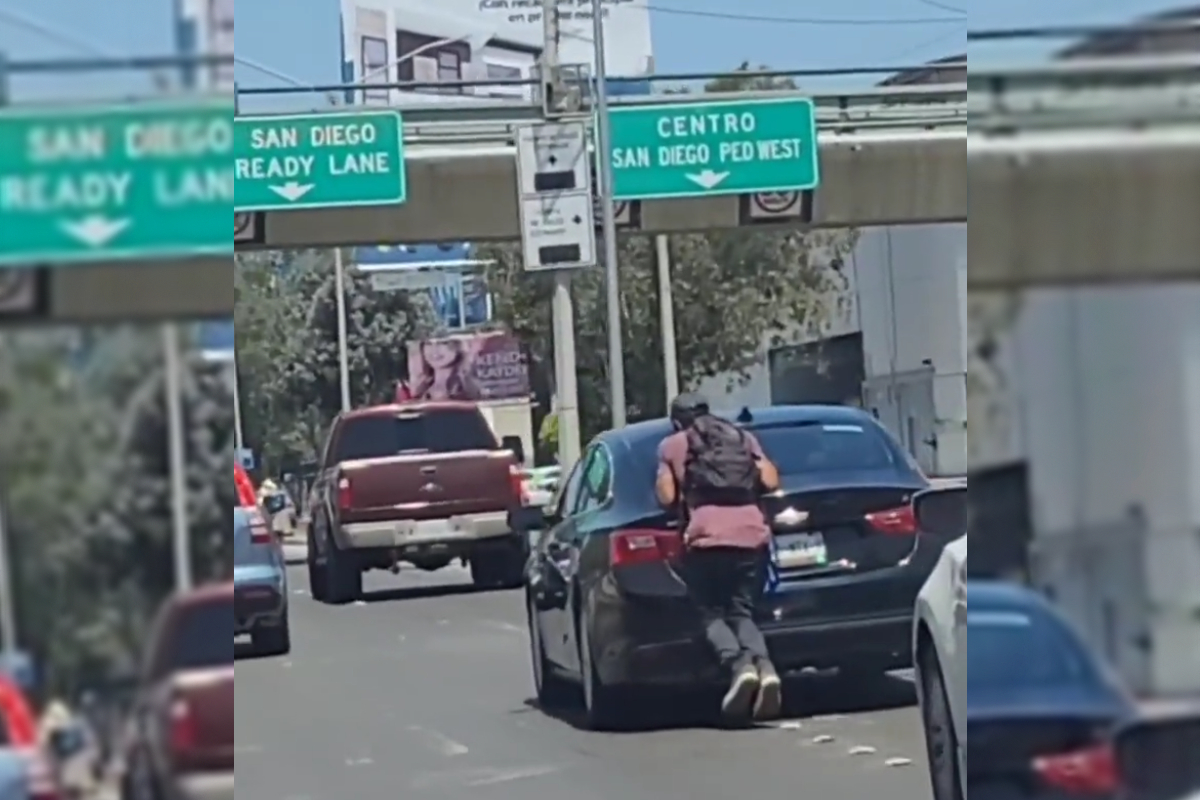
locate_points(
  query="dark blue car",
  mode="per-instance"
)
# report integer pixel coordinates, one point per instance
(608, 613)
(1041, 708)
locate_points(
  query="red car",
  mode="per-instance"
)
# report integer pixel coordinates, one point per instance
(19, 738)
(181, 738)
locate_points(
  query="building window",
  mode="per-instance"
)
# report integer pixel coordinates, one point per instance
(374, 60)
(504, 72)
(449, 68)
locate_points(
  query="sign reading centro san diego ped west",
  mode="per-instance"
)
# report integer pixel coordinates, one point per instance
(319, 160)
(699, 149)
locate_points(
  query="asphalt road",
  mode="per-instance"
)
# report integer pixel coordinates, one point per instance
(423, 691)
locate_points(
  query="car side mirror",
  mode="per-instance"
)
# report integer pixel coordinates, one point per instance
(942, 511)
(517, 445)
(1154, 755)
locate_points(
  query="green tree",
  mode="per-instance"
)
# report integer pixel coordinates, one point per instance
(288, 354)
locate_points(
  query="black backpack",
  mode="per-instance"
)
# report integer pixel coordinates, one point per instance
(720, 468)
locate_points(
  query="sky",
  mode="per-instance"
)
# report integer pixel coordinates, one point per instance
(689, 36)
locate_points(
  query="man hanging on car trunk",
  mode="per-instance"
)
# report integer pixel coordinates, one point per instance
(713, 472)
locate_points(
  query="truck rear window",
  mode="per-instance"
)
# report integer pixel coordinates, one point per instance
(442, 431)
(201, 636)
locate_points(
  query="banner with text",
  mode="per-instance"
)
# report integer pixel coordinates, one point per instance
(482, 366)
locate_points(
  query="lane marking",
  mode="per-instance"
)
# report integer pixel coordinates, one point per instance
(518, 774)
(441, 742)
(507, 627)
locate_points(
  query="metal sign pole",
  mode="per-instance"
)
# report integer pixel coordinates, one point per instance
(8, 609)
(177, 447)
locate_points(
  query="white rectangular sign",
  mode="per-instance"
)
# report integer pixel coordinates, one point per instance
(413, 280)
(558, 232)
(553, 157)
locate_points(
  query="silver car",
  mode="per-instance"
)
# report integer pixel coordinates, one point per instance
(260, 584)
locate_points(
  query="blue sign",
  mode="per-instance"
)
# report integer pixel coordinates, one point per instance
(460, 299)
(20, 669)
(772, 582)
(245, 457)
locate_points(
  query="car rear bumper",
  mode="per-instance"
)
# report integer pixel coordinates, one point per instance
(404, 534)
(205, 786)
(649, 634)
(884, 640)
(256, 604)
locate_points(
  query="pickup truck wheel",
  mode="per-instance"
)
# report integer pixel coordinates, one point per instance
(316, 571)
(343, 578)
(499, 566)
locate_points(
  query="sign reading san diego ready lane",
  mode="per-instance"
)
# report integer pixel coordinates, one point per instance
(339, 160)
(115, 182)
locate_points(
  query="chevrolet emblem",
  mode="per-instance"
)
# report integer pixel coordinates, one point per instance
(791, 516)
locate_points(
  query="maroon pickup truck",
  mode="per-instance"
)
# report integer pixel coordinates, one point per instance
(418, 483)
(181, 735)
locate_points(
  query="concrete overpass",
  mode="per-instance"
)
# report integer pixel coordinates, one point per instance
(889, 155)
(1085, 172)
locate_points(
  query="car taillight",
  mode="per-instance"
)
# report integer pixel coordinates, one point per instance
(900, 521)
(642, 546)
(1082, 773)
(181, 727)
(516, 481)
(260, 532)
(345, 493)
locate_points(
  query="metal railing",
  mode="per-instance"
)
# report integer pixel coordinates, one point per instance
(1103, 82)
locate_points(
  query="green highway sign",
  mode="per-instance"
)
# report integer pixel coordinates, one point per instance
(353, 158)
(726, 147)
(115, 182)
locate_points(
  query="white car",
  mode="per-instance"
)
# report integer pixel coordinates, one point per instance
(940, 642)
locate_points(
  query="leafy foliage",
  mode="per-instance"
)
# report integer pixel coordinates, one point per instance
(86, 493)
(286, 338)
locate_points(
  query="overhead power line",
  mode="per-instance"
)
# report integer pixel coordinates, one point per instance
(826, 21)
(1083, 31)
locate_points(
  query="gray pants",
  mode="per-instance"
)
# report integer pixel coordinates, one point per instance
(726, 584)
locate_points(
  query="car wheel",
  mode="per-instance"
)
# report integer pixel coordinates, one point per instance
(343, 578)
(941, 741)
(275, 640)
(552, 690)
(604, 706)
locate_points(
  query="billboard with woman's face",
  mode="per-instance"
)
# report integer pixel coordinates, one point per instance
(483, 366)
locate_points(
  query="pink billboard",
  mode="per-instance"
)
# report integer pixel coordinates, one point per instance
(481, 366)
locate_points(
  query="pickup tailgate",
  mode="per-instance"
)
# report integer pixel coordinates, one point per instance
(426, 462)
(201, 706)
(428, 486)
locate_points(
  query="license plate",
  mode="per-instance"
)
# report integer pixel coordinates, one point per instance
(800, 550)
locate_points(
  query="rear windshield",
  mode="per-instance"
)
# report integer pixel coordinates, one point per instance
(202, 636)
(1014, 650)
(443, 431)
(826, 447)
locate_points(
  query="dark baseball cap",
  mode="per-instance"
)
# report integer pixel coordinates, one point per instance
(688, 406)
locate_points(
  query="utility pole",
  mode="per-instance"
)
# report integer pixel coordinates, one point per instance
(8, 610)
(604, 172)
(563, 312)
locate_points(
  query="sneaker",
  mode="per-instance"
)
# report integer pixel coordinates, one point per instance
(769, 703)
(737, 701)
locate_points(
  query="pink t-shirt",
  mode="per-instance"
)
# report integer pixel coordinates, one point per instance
(716, 526)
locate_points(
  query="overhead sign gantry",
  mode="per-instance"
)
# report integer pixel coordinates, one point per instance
(1085, 172)
(889, 155)
(116, 211)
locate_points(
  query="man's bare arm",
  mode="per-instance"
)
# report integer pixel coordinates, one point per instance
(665, 488)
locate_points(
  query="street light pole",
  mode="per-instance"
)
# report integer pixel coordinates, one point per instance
(616, 358)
